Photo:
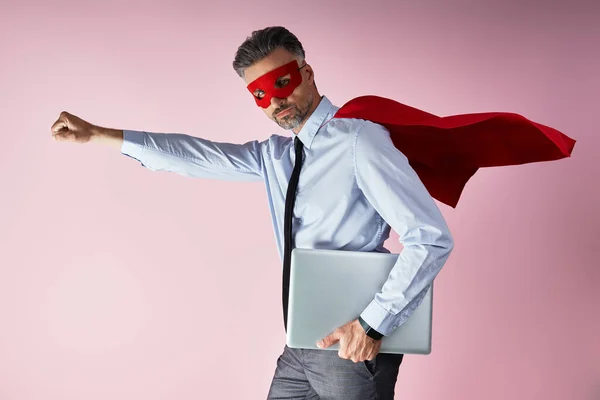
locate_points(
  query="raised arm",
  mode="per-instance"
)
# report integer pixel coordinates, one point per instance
(174, 152)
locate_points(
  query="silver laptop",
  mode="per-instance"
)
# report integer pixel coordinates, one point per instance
(329, 288)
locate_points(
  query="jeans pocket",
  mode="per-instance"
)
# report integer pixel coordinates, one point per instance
(370, 366)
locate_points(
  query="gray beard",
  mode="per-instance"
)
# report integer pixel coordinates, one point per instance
(298, 118)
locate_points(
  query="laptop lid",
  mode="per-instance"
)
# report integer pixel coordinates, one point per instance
(329, 288)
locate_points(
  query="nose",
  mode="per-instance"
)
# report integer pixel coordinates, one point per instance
(276, 102)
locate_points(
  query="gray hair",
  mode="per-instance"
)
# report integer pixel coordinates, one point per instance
(261, 43)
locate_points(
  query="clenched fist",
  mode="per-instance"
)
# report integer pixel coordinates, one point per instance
(71, 128)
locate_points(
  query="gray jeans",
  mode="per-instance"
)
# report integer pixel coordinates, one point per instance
(310, 374)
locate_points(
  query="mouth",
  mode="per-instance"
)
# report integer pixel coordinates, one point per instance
(285, 112)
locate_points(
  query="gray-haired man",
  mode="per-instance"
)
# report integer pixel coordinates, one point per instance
(352, 188)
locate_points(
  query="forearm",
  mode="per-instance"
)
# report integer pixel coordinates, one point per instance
(406, 287)
(111, 137)
(190, 155)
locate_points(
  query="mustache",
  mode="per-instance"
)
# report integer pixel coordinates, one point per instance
(281, 109)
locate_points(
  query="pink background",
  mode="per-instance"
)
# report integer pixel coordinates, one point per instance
(112, 277)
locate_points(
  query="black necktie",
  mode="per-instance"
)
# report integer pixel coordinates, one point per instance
(290, 197)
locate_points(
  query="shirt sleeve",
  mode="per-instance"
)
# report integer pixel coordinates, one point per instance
(195, 157)
(395, 190)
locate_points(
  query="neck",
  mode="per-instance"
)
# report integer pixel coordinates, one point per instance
(297, 129)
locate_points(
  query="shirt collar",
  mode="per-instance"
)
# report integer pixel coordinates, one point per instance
(315, 121)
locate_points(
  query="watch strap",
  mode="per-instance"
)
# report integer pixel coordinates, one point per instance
(372, 333)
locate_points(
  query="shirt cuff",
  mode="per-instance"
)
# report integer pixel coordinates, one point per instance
(133, 143)
(378, 318)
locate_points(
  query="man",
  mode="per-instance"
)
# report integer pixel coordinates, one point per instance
(353, 186)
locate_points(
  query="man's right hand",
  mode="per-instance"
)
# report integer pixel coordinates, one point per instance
(71, 128)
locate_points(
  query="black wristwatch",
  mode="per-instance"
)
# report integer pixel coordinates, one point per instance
(372, 333)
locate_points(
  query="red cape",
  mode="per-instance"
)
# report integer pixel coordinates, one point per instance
(446, 151)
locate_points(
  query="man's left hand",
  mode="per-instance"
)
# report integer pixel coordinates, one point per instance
(355, 345)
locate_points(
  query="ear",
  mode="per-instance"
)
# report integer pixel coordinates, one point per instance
(310, 74)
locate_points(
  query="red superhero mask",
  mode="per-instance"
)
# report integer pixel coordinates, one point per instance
(270, 85)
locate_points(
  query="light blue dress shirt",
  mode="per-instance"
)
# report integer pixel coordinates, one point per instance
(354, 185)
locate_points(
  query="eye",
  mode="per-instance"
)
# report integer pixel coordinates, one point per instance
(259, 94)
(282, 82)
